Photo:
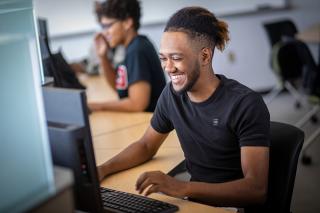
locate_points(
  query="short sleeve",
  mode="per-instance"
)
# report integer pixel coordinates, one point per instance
(160, 120)
(138, 66)
(252, 121)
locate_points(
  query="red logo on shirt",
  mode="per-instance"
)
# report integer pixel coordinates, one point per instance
(122, 78)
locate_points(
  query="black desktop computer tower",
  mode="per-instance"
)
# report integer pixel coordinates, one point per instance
(71, 144)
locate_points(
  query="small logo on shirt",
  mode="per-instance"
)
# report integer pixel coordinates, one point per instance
(122, 78)
(215, 121)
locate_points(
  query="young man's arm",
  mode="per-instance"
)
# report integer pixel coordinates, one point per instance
(137, 101)
(251, 189)
(108, 71)
(135, 154)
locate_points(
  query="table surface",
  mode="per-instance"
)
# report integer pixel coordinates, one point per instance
(106, 122)
(311, 34)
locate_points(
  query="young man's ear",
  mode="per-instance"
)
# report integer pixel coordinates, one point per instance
(128, 23)
(206, 55)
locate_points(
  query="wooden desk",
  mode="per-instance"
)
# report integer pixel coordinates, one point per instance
(311, 35)
(97, 88)
(121, 138)
(106, 122)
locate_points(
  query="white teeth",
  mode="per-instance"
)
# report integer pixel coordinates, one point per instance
(176, 78)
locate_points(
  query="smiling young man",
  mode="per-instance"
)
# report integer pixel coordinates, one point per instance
(139, 80)
(222, 126)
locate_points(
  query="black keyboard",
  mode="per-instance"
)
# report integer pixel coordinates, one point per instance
(118, 201)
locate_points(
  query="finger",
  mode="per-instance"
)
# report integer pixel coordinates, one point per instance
(140, 180)
(104, 39)
(152, 189)
(147, 182)
(97, 36)
(144, 176)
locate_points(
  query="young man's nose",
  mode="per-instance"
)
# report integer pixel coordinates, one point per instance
(169, 67)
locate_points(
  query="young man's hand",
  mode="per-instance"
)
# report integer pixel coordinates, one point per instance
(157, 181)
(101, 45)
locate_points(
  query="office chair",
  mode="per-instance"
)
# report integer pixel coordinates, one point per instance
(285, 145)
(293, 60)
(294, 66)
(279, 31)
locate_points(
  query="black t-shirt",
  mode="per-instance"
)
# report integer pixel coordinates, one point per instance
(212, 132)
(141, 63)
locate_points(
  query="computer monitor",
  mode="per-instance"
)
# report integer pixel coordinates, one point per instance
(43, 38)
(55, 69)
(71, 143)
(48, 75)
(26, 176)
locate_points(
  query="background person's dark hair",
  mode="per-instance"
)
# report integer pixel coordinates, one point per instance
(121, 10)
(199, 24)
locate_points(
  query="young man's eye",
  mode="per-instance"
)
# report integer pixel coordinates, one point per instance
(176, 58)
(162, 59)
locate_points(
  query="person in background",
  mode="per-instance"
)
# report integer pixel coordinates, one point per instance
(222, 125)
(139, 79)
(90, 64)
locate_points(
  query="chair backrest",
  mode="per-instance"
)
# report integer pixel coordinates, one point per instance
(311, 70)
(292, 59)
(285, 145)
(277, 30)
(288, 59)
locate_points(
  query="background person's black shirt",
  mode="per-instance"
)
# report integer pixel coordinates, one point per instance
(212, 132)
(141, 63)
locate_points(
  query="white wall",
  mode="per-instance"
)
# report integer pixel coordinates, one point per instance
(159, 11)
(67, 16)
(249, 44)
